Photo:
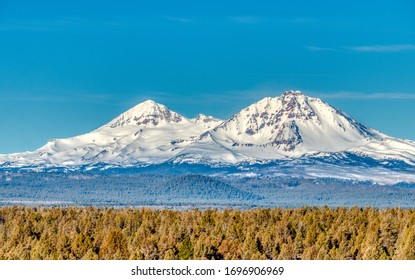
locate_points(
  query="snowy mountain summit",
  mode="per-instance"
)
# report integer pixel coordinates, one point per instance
(293, 124)
(146, 114)
(288, 127)
(208, 122)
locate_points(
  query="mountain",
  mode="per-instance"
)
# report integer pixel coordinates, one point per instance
(148, 133)
(292, 128)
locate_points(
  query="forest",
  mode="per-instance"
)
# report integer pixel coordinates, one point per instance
(188, 191)
(322, 233)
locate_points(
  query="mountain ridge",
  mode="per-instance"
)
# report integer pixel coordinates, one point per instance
(286, 127)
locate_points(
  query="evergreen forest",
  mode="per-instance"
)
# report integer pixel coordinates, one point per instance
(323, 233)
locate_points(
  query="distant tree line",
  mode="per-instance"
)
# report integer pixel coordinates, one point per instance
(126, 233)
(192, 190)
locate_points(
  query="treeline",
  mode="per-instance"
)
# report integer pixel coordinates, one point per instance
(190, 190)
(303, 233)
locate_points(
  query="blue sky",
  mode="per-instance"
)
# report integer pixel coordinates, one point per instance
(67, 67)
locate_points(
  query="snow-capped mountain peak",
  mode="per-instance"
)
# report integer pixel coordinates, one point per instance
(146, 114)
(208, 122)
(292, 124)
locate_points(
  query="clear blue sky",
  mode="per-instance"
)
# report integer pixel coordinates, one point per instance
(67, 67)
